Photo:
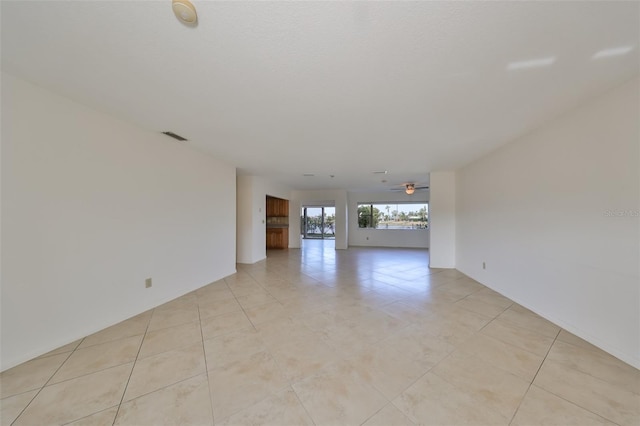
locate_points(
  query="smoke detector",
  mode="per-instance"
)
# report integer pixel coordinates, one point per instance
(185, 12)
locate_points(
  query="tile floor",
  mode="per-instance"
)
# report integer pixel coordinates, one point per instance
(325, 337)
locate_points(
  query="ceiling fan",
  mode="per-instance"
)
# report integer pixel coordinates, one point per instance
(410, 188)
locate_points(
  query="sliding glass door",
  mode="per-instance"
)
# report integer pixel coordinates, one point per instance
(318, 222)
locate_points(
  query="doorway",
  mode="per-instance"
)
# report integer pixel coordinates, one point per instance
(318, 223)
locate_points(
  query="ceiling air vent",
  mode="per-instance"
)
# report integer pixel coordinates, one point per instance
(173, 135)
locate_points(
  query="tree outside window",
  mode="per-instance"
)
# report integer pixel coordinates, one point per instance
(398, 216)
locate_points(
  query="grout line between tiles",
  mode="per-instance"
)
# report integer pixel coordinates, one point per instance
(429, 370)
(163, 387)
(534, 377)
(44, 385)
(89, 415)
(562, 397)
(239, 304)
(576, 405)
(518, 347)
(206, 365)
(270, 395)
(374, 414)
(133, 367)
(90, 373)
(170, 349)
(301, 404)
(390, 403)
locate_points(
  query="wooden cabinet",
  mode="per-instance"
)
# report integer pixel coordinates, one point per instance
(277, 238)
(277, 223)
(277, 207)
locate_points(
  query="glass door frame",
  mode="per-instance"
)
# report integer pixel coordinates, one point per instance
(305, 216)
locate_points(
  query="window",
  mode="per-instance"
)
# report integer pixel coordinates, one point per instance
(393, 215)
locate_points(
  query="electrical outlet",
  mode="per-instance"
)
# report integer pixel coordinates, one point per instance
(148, 283)
(484, 265)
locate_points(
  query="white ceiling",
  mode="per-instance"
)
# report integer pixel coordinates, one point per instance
(280, 89)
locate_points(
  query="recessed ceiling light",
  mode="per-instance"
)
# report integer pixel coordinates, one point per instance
(531, 63)
(185, 11)
(614, 51)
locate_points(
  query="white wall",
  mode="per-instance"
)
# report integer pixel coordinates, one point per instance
(300, 198)
(555, 217)
(247, 219)
(386, 237)
(442, 214)
(252, 214)
(91, 206)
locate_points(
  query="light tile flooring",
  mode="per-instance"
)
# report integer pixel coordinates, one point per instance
(325, 337)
